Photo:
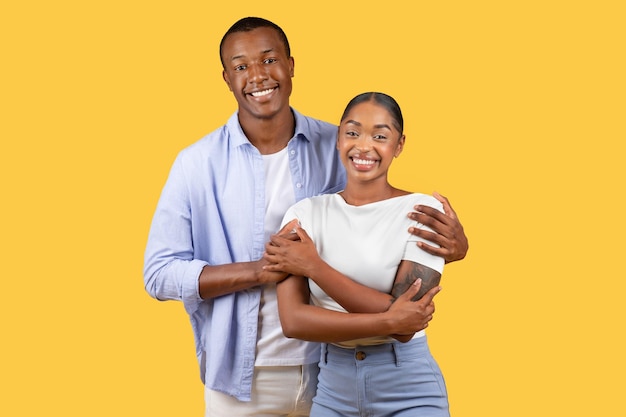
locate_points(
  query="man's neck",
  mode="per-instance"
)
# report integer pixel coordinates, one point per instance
(269, 135)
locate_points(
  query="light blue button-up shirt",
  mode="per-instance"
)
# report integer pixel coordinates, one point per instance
(212, 212)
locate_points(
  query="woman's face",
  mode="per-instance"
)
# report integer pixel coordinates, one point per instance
(368, 141)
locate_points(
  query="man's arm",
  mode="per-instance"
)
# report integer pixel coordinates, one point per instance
(171, 269)
(216, 280)
(448, 230)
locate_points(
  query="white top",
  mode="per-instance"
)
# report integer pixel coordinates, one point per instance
(365, 243)
(279, 196)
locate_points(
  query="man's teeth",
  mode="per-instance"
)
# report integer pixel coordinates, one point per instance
(262, 93)
(363, 161)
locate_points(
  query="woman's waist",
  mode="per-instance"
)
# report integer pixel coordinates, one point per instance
(372, 341)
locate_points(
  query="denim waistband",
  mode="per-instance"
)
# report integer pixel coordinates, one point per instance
(386, 352)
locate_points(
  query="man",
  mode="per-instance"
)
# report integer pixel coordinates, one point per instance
(225, 195)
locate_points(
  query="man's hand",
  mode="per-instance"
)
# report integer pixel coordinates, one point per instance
(449, 234)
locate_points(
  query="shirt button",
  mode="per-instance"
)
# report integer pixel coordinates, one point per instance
(360, 355)
(299, 185)
(293, 152)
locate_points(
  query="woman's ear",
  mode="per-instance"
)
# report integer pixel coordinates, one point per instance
(400, 146)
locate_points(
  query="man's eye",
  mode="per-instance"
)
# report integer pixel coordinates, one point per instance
(270, 60)
(240, 67)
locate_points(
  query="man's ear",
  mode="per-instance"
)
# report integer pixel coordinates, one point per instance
(292, 65)
(226, 79)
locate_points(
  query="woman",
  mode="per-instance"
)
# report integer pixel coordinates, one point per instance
(350, 252)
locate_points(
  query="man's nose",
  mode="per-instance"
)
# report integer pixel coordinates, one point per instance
(257, 73)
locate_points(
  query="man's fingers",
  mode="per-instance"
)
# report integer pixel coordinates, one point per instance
(429, 215)
(447, 208)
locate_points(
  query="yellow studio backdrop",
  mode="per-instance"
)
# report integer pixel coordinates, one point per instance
(514, 110)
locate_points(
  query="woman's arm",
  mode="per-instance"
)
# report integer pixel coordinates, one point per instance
(408, 272)
(300, 258)
(302, 320)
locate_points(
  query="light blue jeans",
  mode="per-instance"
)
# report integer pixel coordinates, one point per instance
(394, 379)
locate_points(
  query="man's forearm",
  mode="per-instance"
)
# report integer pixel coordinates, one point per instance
(216, 280)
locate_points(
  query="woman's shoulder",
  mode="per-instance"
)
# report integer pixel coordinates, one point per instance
(424, 200)
(315, 201)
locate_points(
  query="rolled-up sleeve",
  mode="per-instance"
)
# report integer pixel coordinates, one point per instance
(170, 270)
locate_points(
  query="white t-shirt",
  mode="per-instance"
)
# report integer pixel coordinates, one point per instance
(365, 243)
(273, 348)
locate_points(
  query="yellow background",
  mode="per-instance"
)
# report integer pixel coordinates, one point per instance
(514, 110)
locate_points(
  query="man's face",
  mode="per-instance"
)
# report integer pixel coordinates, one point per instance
(258, 72)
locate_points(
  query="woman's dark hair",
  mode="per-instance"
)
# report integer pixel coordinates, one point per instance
(382, 99)
(247, 24)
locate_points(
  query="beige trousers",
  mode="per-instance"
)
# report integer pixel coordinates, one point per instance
(276, 391)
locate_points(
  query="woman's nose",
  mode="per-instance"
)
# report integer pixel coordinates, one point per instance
(363, 144)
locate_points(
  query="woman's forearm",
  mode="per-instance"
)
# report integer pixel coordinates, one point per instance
(354, 297)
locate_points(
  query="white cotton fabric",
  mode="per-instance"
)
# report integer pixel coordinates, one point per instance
(365, 243)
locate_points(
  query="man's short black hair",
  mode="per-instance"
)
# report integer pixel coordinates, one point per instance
(247, 24)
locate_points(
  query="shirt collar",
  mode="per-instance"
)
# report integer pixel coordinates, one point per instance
(238, 138)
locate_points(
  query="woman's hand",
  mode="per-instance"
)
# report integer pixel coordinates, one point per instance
(291, 250)
(409, 317)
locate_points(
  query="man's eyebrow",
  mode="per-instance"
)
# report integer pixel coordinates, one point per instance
(265, 51)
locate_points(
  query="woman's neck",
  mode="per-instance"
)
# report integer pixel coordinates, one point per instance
(358, 194)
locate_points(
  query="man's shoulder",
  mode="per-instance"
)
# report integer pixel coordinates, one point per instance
(312, 127)
(215, 139)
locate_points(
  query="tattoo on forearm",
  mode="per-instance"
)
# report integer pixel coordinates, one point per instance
(430, 279)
